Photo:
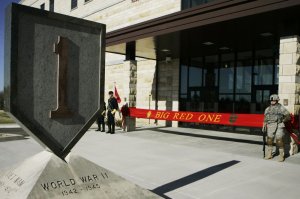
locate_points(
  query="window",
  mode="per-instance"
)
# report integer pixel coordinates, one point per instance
(42, 6)
(211, 71)
(242, 103)
(276, 71)
(263, 69)
(244, 72)
(227, 74)
(235, 82)
(195, 73)
(184, 78)
(191, 3)
(51, 5)
(73, 4)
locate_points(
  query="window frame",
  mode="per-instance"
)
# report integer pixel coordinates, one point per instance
(74, 4)
(51, 5)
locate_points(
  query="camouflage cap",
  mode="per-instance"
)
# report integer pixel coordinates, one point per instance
(274, 97)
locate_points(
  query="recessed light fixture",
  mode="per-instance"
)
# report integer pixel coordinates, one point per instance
(208, 43)
(224, 48)
(165, 50)
(266, 34)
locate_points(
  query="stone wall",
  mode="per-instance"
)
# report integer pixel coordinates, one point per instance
(146, 88)
(119, 75)
(115, 14)
(289, 73)
(167, 77)
(168, 88)
(168, 84)
(289, 81)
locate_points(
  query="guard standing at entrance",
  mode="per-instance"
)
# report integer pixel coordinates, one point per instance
(112, 107)
(275, 116)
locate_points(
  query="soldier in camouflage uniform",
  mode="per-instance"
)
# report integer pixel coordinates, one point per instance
(275, 116)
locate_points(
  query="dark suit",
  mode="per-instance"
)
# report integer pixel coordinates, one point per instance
(111, 105)
(100, 119)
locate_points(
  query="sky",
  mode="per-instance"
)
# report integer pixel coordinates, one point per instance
(3, 4)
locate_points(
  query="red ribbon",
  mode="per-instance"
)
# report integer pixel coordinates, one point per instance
(247, 120)
(250, 120)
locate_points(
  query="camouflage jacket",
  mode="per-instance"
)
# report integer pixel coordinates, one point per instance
(276, 114)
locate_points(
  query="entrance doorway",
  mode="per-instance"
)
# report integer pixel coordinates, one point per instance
(261, 95)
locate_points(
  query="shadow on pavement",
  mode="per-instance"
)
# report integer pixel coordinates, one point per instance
(171, 186)
(150, 128)
(209, 137)
(12, 138)
(17, 131)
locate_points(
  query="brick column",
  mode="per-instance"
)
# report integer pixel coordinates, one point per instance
(289, 79)
(289, 73)
(130, 67)
(168, 88)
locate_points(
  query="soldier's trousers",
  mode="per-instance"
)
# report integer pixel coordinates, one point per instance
(276, 130)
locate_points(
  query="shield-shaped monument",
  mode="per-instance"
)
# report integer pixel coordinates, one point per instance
(54, 86)
(54, 75)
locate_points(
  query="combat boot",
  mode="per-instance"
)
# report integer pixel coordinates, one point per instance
(109, 129)
(281, 155)
(112, 129)
(269, 153)
(280, 145)
(269, 148)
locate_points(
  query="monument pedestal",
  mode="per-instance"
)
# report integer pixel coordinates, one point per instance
(47, 176)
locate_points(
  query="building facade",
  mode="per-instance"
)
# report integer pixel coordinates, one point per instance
(196, 55)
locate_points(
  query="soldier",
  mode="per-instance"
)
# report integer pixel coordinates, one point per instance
(112, 107)
(100, 119)
(275, 116)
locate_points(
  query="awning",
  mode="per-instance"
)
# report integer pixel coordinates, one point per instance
(220, 19)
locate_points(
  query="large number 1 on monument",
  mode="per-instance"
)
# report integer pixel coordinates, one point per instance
(61, 49)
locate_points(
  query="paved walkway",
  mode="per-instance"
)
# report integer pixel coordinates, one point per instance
(182, 163)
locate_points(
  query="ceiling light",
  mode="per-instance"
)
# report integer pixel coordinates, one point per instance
(224, 48)
(165, 50)
(208, 43)
(266, 34)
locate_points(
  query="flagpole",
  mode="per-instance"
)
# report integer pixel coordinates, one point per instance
(116, 94)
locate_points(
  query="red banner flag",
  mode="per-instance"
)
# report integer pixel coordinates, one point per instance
(117, 95)
(230, 119)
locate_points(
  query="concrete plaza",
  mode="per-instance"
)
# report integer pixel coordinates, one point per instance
(181, 163)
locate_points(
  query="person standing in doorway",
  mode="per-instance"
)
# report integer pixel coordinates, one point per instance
(112, 107)
(275, 117)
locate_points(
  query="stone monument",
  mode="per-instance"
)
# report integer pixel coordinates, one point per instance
(54, 87)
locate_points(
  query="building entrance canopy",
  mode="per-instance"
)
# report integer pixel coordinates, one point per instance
(226, 24)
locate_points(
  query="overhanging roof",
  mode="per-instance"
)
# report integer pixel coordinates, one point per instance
(214, 12)
(232, 23)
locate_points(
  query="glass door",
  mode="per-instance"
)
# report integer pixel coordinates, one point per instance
(210, 84)
(261, 98)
